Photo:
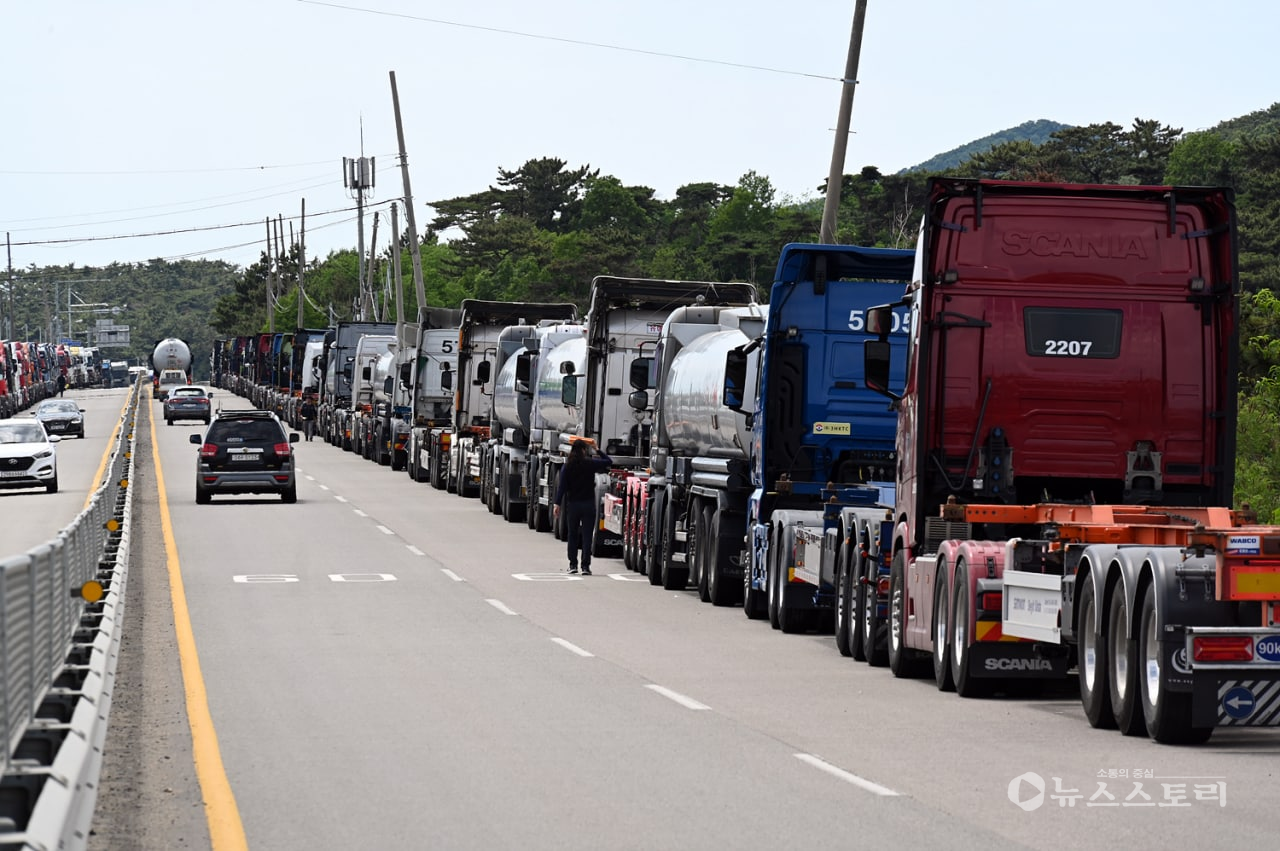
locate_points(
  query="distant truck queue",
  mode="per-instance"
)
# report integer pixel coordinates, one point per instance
(1005, 456)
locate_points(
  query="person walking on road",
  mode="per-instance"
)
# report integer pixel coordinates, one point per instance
(62, 383)
(308, 414)
(576, 497)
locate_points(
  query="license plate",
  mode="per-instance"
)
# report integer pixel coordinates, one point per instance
(12, 474)
(244, 457)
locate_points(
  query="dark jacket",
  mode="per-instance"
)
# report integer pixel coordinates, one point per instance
(578, 479)
(308, 411)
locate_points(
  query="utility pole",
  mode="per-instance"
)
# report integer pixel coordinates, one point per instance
(270, 273)
(835, 177)
(418, 286)
(10, 319)
(302, 260)
(396, 275)
(358, 177)
(366, 286)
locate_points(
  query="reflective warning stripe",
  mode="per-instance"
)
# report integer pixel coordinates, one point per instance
(991, 631)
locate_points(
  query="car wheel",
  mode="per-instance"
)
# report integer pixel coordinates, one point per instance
(289, 495)
(52, 485)
(202, 496)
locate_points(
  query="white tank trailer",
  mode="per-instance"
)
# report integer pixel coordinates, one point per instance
(171, 353)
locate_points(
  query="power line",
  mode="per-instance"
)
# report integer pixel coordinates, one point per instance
(579, 42)
(171, 171)
(176, 231)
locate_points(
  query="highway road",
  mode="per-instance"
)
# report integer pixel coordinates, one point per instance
(387, 666)
(31, 515)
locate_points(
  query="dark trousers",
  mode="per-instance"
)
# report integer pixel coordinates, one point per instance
(309, 429)
(580, 527)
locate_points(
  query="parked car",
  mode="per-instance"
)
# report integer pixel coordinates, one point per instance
(245, 451)
(28, 458)
(189, 402)
(61, 416)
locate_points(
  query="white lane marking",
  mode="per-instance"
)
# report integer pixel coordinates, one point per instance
(309, 478)
(358, 512)
(627, 577)
(324, 487)
(573, 648)
(414, 550)
(340, 498)
(848, 777)
(686, 702)
(500, 606)
(449, 573)
(362, 577)
(384, 530)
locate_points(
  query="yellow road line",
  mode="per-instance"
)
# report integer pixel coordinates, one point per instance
(226, 833)
(106, 453)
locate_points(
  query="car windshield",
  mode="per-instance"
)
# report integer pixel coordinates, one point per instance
(59, 407)
(22, 433)
(244, 431)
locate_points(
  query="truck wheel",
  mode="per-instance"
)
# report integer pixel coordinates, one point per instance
(697, 550)
(1123, 668)
(966, 684)
(902, 662)
(721, 548)
(628, 545)
(942, 675)
(673, 578)
(847, 635)
(1166, 714)
(773, 582)
(657, 538)
(875, 642)
(754, 603)
(1095, 685)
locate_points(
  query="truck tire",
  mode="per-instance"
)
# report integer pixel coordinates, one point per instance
(961, 619)
(1092, 668)
(875, 642)
(902, 661)
(673, 578)
(942, 674)
(847, 634)
(657, 544)
(698, 553)
(755, 604)
(628, 546)
(1167, 714)
(1123, 668)
(723, 544)
(773, 582)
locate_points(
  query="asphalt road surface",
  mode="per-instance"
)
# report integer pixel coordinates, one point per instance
(387, 666)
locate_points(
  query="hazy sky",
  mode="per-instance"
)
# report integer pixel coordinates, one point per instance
(134, 117)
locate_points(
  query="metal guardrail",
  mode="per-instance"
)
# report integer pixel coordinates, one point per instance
(58, 656)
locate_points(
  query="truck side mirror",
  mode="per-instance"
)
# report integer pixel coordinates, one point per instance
(446, 379)
(735, 379)
(875, 367)
(569, 390)
(880, 320)
(406, 373)
(638, 400)
(522, 367)
(483, 371)
(386, 385)
(567, 367)
(366, 373)
(639, 376)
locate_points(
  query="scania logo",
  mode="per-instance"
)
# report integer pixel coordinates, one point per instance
(1019, 665)
(1083, 245)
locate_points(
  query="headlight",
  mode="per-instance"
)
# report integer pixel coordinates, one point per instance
(45, 453)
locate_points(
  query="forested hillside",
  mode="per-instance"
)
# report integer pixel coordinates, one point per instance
(542, 231)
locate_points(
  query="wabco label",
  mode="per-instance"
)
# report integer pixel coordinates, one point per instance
(1244, 545)
(831, 428)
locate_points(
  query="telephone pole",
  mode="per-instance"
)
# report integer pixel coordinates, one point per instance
(835, 177)
(418, 285)
(358, 178)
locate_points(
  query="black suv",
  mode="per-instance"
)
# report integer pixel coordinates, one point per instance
(245, 452)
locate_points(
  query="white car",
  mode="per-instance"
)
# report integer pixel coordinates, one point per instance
(28, 458)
